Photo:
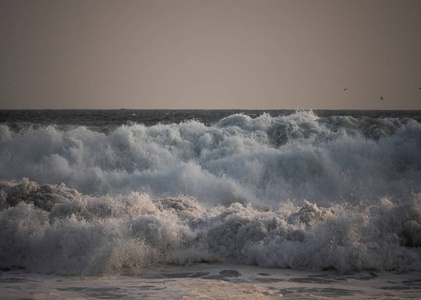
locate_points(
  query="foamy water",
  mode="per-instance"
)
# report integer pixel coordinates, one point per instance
(297, 191)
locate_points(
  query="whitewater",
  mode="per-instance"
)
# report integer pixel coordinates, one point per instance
(195, 203)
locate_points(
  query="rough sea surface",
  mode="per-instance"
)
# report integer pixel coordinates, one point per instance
(99, 193)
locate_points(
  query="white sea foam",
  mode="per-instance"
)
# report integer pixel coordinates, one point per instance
(81, 234)
(294, 191)
(265, 159)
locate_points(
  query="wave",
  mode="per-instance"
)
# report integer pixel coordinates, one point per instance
(263, 160)
(41, 225)
(295, 191)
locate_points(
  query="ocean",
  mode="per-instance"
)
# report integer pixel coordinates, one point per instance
(209, 204)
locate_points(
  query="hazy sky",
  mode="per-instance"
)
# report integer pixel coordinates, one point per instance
(199, 54)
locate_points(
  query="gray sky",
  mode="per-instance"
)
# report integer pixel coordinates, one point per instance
(210, 54)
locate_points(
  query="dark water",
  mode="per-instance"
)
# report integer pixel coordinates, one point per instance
(105, 118)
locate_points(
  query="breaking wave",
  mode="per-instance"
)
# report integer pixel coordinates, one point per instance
(296, 191)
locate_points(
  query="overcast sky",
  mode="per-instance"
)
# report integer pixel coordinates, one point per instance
(197, 54)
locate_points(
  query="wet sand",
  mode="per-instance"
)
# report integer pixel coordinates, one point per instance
(212, 281)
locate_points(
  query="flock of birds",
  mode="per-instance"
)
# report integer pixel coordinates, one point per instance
(381, 97)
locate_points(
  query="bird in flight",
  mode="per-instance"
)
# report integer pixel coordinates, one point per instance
(347, 88)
